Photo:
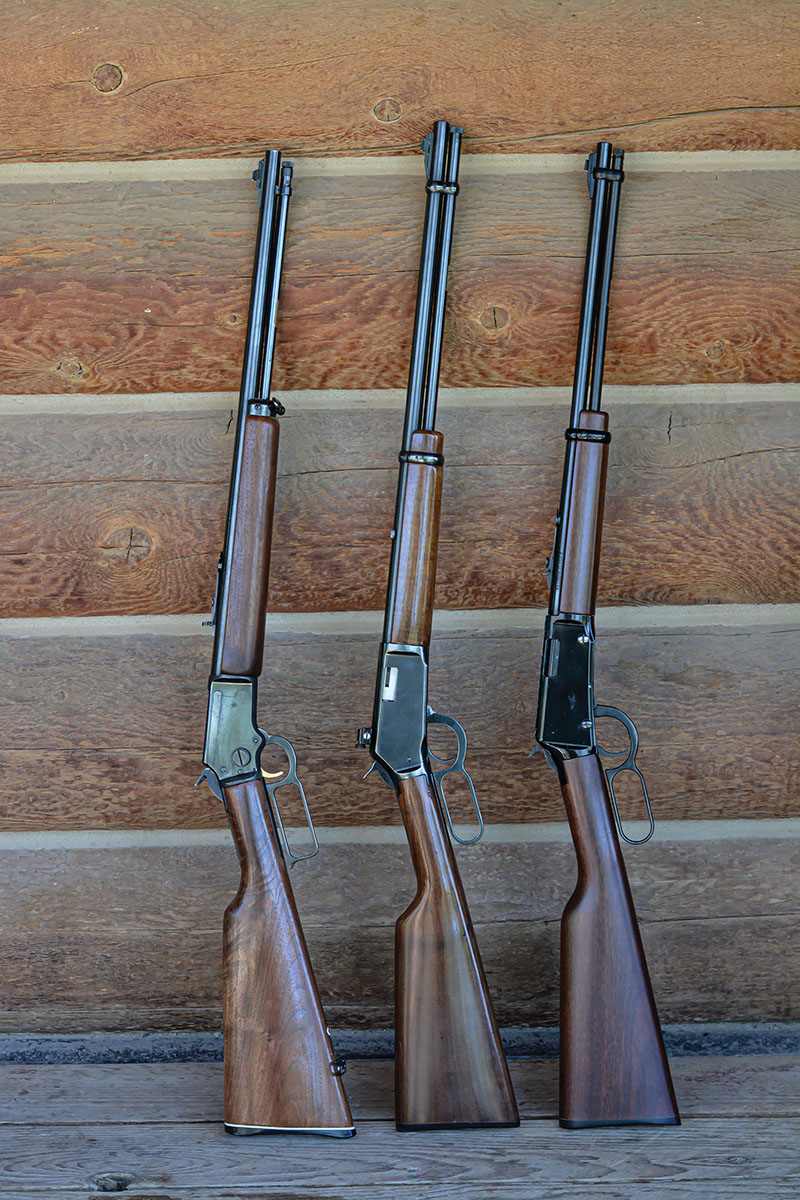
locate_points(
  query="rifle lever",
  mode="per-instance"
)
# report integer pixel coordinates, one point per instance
(271, 787)
(456, 765)
(628, 764)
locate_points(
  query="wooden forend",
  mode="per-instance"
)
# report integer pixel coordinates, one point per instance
(242, 631)
(418, 543)
(585, 519)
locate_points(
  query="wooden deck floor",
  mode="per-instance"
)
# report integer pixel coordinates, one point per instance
(153, 1130)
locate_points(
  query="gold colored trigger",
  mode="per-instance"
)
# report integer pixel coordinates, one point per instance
(272, 774)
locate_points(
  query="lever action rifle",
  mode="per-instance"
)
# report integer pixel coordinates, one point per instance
(614, 1069)
(450, 1071)
(280, 1070)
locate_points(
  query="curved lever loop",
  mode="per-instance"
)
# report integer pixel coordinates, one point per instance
(454, 765)
(628, 764)
(271, 789)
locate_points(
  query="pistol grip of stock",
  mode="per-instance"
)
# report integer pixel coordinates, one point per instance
(280, 1068)
(613, 1067)
(450, 1070)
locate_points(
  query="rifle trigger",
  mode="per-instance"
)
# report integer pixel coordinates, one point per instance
(212, 782)
(628, 764)
(547, 756)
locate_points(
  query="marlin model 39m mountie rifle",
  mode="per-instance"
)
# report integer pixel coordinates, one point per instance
(450, 1071)
(614, 1069)
(281, 1074)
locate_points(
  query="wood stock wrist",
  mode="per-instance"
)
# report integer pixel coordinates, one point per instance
(242, 632)
(584, 519)
(417, 544)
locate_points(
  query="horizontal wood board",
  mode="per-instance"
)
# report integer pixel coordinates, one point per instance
(159, 77)
(124, 512)
(439, 1165)
(179, 1093)
(131, 938)
(115, 724)
(142, 285)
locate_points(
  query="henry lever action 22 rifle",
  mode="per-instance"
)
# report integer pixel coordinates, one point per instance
(450, 1071)
(614, 1069)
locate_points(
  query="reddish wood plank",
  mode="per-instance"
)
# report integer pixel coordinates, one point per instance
(124, 514)
(159, 78)
(143, 286)
(89, 715)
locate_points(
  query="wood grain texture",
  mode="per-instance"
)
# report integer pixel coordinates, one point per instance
(585, 509)
(339, 78)
(279, 1061)
(417, 545)
(113, 939)
(613, 1065)
(107, 514)
(117, 724)
(178, 1093)
(450, 1070)
(703, 284)
(440, 1165)
(241, 624)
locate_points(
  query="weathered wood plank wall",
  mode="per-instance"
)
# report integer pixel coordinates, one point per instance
(166, 77)
(122, 309)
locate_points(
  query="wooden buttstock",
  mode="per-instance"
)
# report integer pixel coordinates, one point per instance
(279, 1061)
(242, 631)
(585, 519)
(614, 1069)
(418, 542)
(450, 1070)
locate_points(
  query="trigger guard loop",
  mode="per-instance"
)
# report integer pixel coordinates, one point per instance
(457, 765)
(628, 764)
(610, 773)
(271, 789)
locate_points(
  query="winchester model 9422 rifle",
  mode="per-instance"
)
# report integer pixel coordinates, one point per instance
(450, 1071)
(280, 1070)
(614, 1069)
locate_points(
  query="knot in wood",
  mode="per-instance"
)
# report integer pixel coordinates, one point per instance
(130, 546)
(494, 317)
(715, 351)
(107, 77)
(387, 110)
